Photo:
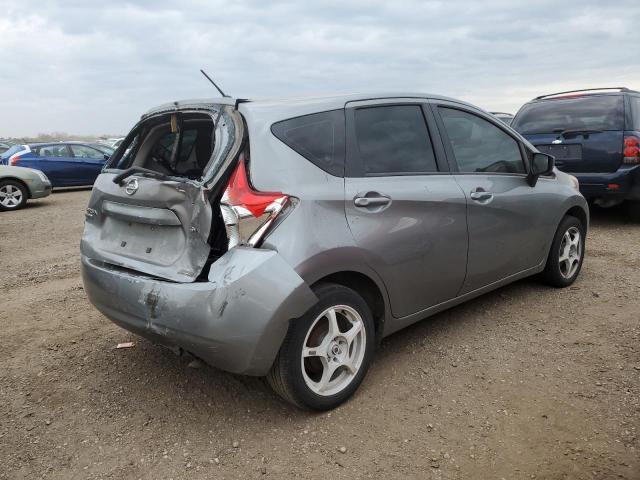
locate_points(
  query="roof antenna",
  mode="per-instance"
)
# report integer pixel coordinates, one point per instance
(214, 84)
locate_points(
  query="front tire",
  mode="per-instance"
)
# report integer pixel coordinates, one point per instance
(13, 195)
(327, 352)
(566, 255)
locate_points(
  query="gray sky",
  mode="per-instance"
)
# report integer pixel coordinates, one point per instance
(93, 67)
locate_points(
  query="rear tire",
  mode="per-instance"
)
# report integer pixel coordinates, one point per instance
(13, 195)
(327, 352)
(566, 255)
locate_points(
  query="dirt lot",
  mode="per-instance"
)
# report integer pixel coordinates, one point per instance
(526, 382)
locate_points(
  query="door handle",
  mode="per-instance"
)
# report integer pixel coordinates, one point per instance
(377, 201)
(480, 195)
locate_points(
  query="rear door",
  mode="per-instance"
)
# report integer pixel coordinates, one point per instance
(403, 207)
(583, 132)
(508, 220)
(55, 160)
(157, 224)
(88, 162)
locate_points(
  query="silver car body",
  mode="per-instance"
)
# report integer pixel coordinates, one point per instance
(37, 183)
(429, 248)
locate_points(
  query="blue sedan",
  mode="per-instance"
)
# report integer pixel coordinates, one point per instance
(66, 164)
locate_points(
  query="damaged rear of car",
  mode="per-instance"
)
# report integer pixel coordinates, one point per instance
(161, 224)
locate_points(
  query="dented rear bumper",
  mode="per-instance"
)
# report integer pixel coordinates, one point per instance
(236, 321)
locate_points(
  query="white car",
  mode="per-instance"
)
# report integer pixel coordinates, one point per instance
(18, 184)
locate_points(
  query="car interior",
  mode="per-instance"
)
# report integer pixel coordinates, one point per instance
(174, 145)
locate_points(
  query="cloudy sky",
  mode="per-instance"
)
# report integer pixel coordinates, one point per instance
(93, 67)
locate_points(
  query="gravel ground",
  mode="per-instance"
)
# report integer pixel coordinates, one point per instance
(525, 382)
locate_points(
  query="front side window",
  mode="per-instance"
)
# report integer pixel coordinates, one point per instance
(394, 140)
(479, 145)
(82, 151)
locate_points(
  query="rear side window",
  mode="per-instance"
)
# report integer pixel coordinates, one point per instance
(594, 112)
(55, 151)
(319, 138)
(479, 145)
(394, 140)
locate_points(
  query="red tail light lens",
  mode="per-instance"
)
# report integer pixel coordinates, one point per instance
(239, 193)
(13, 159)
(631, 150)
(248, 213)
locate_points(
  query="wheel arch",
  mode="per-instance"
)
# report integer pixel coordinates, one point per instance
(579, 213)
(366, 287)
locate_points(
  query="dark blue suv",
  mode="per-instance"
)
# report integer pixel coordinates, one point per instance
(594, 135)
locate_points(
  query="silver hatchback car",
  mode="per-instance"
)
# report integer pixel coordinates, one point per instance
(286, 238)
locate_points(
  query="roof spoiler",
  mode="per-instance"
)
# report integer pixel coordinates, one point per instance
(585, 90)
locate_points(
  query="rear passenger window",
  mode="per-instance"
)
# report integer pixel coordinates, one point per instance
(479, 145)
(394, 140)
(52, 151)
(318, 137)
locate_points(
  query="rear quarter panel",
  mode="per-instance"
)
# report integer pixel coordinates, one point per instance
(314, 238)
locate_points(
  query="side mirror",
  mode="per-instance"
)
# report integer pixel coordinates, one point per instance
(541, 164)
(106, 156)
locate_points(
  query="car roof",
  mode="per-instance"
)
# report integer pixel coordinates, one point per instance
(587, 92)
(296, 104)
(72, 142)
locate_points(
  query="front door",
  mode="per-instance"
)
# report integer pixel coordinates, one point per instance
(404, 208)
(508, 221)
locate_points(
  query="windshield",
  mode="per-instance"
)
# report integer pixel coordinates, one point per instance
(594, 112)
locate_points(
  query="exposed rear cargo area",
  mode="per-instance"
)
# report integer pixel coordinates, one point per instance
(154, 209)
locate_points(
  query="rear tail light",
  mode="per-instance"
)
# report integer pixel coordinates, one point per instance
(248, 214)
(13, 159)
(631, 150)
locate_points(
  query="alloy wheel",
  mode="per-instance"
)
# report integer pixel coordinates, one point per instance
(333, 350)
(570, 252)
(10, 196)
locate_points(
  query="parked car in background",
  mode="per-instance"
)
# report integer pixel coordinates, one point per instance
(67, 164)
(4, 146)
(106, 149)
(112, 142)
(593, 134)
(505, 117)
(18, 184)
(285, 238)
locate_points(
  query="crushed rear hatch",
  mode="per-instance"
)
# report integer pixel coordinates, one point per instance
(154, 208)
